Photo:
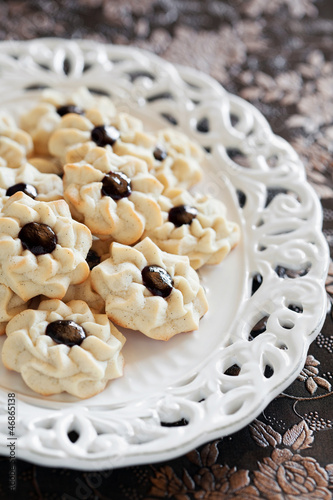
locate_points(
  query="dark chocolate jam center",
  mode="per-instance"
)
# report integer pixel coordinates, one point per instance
(116, 185)
(157, 280)
(38, 238)
(93, 259)
(159, 153)
(27, 189)
(70, 108)
(66, 332)
(104, 135)
(183, 214)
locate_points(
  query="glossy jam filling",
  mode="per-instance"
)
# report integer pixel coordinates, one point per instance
(182, 214)
(116, 185)
(38, 238)
(159, 153)
(70, 108)
(157, 280)
(104, 135)
(66, 332)
(27, 189)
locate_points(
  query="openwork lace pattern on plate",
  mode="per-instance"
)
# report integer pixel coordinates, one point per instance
(283, 307)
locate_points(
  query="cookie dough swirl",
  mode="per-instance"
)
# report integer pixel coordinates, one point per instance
(131, 304)
(94, 126)
(41, 121)
(178, 159)
(10, 305)
(15, 144)
(81, 368)
(39, 186)
(85, 292)
(50, 270)
(195, 226)
(170, 155)
(119, 201)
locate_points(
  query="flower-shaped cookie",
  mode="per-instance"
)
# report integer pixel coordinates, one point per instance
(42, 249)
(41, 121)
(170, 155)
(39, 186)
(101, 158)
(95, 127)
(10, 305)
(195, 226)
(173, 156)
(118, 202)
(64, 347)
(148, 290)
(15, 144)
(181, 166)
(132, 141)
(139, 143)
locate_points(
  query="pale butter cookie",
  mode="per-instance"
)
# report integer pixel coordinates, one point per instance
(41, 121)
(171, 156)
(85, 292)
(95, 127)
(15, 144)
(64, 348)
(119, 202)
(129, 138)
(46, 164)
(196, 226)
(39, 186)
(10, 305)
(101, 158)
(148, 290)
(174, 158)
(42, 249)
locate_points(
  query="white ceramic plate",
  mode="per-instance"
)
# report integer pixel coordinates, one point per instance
(187, 377)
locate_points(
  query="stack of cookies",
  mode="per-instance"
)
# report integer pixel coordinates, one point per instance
(98, 228)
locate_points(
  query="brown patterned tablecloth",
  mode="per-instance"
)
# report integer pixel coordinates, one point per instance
(277, 54)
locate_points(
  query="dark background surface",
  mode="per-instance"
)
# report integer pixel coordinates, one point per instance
(277, 54)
